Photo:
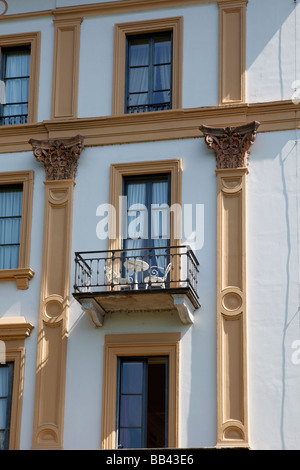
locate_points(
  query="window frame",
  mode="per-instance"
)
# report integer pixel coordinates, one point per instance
(33, 40)
(151, 38)
(148, 180)
(9, 399)
(145, 361)
(138, 345)
(3, 70)
(122, 30)
(14, 331)
(23, 273)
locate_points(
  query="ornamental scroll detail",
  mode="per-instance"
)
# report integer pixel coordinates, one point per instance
(60, 157)
(231, 144)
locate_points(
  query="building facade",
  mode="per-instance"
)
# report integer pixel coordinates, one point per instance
(149, 224)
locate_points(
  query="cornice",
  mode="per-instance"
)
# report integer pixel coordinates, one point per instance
(112, 7)
(153, 126)
(14, 328)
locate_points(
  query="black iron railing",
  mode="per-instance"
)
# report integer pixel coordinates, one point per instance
(13, 119)
(136, 269)
(142, 108)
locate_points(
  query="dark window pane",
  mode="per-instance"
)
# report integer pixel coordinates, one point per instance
(6, 382)
(132, 377)
(10, 225)
(162, 78)
(131, 411)
(156, 411)
(139, 53)
(162, 52)
(138, 80)
(130, 438)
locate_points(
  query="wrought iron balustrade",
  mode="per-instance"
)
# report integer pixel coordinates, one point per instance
(13, 119)
(141, 108)
(140, 269)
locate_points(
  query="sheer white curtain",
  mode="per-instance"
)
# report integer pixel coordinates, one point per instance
(16, 83)
(10, 227)
(162, 73)
(160, 221)
(138, 74)
(137, 216)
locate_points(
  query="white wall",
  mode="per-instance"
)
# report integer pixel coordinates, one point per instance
(273, 279)
(273, 29)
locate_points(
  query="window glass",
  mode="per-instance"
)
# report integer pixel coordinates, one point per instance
(142, 402)
(149, 72)
(6, 382)
(14, 89)
(10, 225)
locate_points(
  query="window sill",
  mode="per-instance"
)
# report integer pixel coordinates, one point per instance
(22, 276)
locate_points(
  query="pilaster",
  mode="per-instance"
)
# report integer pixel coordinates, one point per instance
(60, 159)
(231, 146)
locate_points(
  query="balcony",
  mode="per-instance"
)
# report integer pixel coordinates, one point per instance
(140, 280)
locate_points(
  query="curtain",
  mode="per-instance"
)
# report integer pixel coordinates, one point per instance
(138, 74)
(137, 217)
(160, 221)
(10, 227)
(16, 85)
(162, 73)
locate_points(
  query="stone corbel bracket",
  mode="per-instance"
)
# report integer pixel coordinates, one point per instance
(60, 157)
(93, 311)
(231, 144)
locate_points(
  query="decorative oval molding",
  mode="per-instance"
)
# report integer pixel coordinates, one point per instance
(3, 7)
(232, 301)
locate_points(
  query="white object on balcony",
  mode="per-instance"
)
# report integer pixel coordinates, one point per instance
(114, 278)
(154, 279)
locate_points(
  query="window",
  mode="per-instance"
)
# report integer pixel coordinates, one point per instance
(148, 66)
(16, 197)
(14, 85)
(142, 410)
(149, 73)
(13, 333)
(19, 78)
(10, 225)
(158, 182)
(6, 385)
(148, 204)
(141, 373)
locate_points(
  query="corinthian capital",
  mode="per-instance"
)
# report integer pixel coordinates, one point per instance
(60, 157)
(231, 144)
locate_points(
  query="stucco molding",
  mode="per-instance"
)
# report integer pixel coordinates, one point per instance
(231, 144)
(60, 157)
(3, 7)
(111, 7)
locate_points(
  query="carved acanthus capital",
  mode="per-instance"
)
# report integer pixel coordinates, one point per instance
(60, 157)
(231, 144)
